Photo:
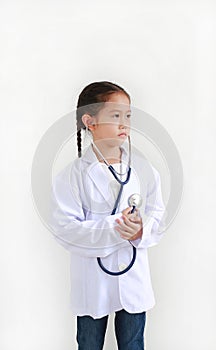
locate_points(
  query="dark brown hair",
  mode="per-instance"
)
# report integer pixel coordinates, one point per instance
(91, 100)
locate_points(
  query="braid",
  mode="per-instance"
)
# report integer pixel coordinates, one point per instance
(79, 143)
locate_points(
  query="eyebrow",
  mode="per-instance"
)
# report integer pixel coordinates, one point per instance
(119, 110)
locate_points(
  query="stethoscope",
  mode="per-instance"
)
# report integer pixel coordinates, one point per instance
(134, 201)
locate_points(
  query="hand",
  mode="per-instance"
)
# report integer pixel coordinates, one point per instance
(131, 226)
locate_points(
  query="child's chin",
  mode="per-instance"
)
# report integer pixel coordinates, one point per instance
(116, 141)
(119, 142)
(122, 140)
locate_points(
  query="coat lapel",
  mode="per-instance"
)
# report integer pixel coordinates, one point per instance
(97, 174)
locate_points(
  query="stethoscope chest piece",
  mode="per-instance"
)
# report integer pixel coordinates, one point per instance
(135, 201)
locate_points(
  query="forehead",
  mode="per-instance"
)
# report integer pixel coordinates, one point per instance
(117, 101)
(119, 97)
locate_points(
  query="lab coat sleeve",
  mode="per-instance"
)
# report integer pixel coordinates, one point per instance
(90, 238)
(154, 214)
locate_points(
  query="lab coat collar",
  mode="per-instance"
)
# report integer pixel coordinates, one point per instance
(90, 157)
(96, 172)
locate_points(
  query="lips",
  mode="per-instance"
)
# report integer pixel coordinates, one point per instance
(122, 134)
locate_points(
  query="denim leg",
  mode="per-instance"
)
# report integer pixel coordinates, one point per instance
(91, 332)
(129, 329)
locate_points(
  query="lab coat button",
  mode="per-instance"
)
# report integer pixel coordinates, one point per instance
(122, 267)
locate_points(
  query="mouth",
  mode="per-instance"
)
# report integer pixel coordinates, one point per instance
(123, 134)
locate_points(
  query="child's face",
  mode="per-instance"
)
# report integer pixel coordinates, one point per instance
(113, 120)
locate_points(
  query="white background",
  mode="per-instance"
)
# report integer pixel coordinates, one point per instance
(163, 53)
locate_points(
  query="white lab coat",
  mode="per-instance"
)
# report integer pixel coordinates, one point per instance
(81, 205)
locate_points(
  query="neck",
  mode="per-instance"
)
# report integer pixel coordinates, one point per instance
(112, 154)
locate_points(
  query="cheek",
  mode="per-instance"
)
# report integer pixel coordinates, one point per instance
(110, 127)
(105, 130)
(128, 122)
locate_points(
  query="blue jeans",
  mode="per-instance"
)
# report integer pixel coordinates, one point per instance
(129, 330)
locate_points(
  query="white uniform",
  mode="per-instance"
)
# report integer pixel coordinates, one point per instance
(81, 222)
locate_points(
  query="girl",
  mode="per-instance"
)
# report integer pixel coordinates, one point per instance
(107, 238)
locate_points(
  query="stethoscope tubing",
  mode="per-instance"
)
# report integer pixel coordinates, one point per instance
(118, 273)
(110, 167)
(122, 183)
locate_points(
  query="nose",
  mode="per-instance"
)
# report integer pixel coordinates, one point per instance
(122, 126)
(123, 122)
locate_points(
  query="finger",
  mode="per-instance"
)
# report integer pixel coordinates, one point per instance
(126, 232)
(134, 217)
(125, 229)
(129, 227)
(123, 234)
(127, 211)
(129, 235)
(129, 223)
(136, 220)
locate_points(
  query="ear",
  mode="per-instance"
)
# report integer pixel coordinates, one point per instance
(88, 121)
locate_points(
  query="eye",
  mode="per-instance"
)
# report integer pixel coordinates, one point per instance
(116, 115)
(128, 116)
